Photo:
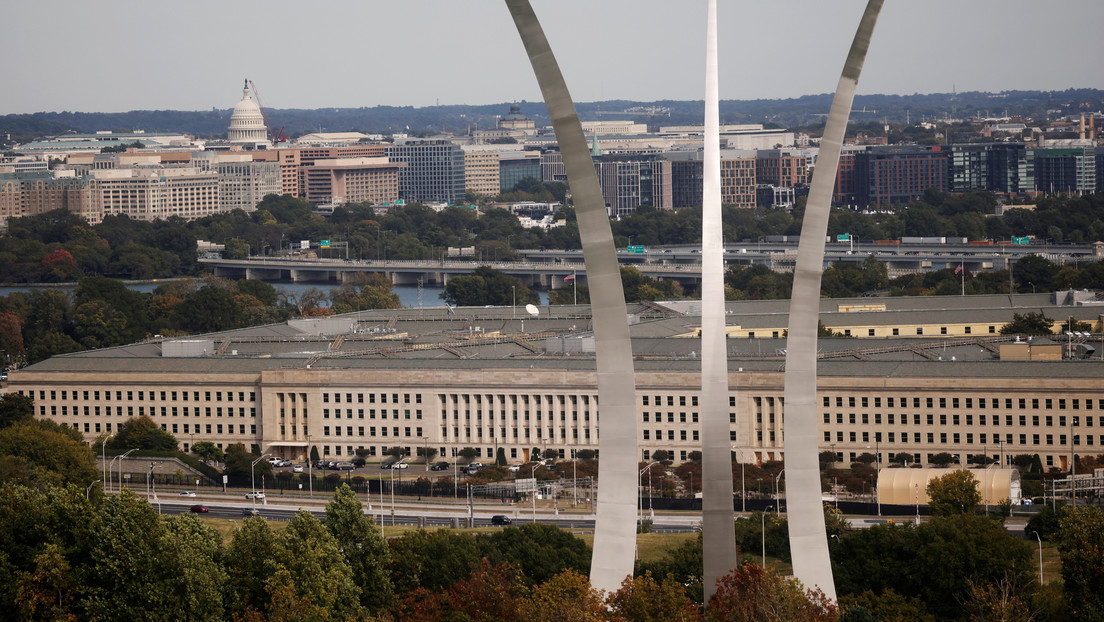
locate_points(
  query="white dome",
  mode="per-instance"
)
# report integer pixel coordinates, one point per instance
(247, 124)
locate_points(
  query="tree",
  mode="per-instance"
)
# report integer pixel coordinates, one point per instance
(643, 599)
(540, 551)
(312, 580)
(142, 433)
(250, 561)
(468, 453)
(1030, 323)
(954, 493)
(1081, 546)
(500, 457)
(208, 451)
(38, 452)
(208, 310)
(566, 596)
(941, 459)
(427, 453)
(363, 547)
(754, 594)
(586, 454)
(15, 408)
(432, 560)
(238, 461)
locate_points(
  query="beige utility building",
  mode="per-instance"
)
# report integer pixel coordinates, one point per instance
(487, 379)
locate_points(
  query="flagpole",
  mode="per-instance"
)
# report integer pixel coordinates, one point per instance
(962, 274)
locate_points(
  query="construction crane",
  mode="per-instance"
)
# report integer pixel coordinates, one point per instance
(277, 137)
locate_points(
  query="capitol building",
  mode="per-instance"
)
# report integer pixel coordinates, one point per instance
(247, 123)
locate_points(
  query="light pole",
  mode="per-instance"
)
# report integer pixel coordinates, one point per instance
(253, 481)
(1040, 540)
(120, 458)
(513, 304)
(777, 504)
(639, 497)
(535, 488)
(763, 533)
(425, 451)
(310, 463)
(103, 456)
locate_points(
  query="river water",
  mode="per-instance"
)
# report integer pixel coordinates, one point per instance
(409, 295)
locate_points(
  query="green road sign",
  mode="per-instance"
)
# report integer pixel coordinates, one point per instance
(843, 237)
(324, 243)
(1021, 240)
(636, 249)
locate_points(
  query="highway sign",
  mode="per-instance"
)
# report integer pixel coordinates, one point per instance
(525, 484)
(843, 237)
(1021, 239)
(636, 249)
(324, 243)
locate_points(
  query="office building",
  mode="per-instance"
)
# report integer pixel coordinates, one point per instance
(514, 166)
(434, 170)
(320, 383)
(897, 175)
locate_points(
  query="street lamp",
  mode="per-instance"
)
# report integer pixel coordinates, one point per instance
(1040, 540)
(763, 532)
(877, 473)
(639, 497)
(778, 505)
(253, 481)
(533, 474)
(120, 459)
(513, 304)
(310, 473)
(425, 452)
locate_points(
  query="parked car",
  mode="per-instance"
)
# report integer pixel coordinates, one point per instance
(187, 493)
(344, 466)
(399, 465)
(439, 466)
(514, 468)
(283, 463)
(249, 512)
(386, 465)
(199, 509)
(256, 494)
(297, 468)
(501, 519)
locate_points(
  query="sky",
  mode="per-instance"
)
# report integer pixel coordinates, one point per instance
(120, 55)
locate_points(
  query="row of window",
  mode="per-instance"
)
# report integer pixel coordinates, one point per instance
(153, 395)
(208, 429)
(1009, 420)
(362, 398)
(540, 433)
(371, 413)
(956, 438)
(671, 435)
(968, 402)
(130, 411)
(337, 431)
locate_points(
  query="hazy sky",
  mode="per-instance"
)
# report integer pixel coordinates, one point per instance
(119, 55)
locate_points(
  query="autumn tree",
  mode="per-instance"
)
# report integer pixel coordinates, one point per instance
(753, 594)
(643, 599)
(38, 452)
(566, 597)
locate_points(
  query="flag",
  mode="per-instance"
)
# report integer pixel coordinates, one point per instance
(958, 270)
(570, 277)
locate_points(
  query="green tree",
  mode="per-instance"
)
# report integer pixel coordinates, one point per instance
(207, 450)
(15, 408)
(239, 461)
(1030, 323)
(250, 561)
(432, 560)
(208, 310)
(541, 551)
(38, 452)
(1081, 545)
(954, 493)
(312, 580)
(193, 551)
(363, 547)
(142, 433)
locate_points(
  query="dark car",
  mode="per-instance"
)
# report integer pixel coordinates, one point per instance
(439, 466)
(199, 509)
(501, 519)
(248, 512)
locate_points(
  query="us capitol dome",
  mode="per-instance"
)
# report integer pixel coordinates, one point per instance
(247, 124)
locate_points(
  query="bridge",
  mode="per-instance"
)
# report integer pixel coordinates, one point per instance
(548, 269)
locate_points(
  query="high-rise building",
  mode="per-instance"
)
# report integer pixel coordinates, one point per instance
(481, 171)
(352, 180)
(778, 167)
(514, 166)
(629, 183)
(737, 178)
(886, 175)
(434, 169)
(1067, 168)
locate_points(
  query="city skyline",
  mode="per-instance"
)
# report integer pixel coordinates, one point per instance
(299, 58)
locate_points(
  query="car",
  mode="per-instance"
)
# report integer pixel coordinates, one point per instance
(386, 465)
(297, 468)
(284, 463)
(250, 512)
(514, 468)
(501, 519)
(439, 466)
(399, 465)
(187, 493)
(344, 466)
(199, 509)
(256, 494)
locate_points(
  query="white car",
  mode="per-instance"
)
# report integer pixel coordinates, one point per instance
(256, 494)
(399, 465)
(514, 468)
(187, 493)
(297, 468)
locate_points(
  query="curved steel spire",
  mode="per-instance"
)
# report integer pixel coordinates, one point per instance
(808, 539)
(615, 528)
(718, 536)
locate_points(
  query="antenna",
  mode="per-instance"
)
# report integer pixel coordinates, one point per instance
(532, 310)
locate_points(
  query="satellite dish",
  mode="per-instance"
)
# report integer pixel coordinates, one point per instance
(532, 310)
